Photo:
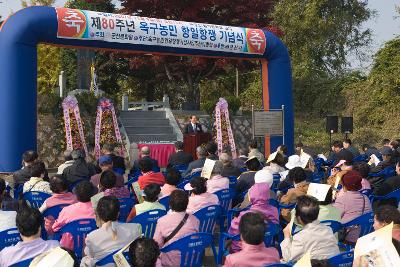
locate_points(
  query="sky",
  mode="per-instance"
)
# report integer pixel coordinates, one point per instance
(385, 25)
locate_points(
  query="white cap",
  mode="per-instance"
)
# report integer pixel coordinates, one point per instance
(272, 156)
(264, 176)
(298, 161)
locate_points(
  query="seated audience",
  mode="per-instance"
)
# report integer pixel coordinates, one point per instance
(145, 154)
(108, 184)
(171, 181)
(117, 161)
(254, 152)
(363, 169)
(339, 153)
(24, 174)
(7, 202)
(283, 150)
(259, 200)
(389, 185)
(275, 163)
(340, 169)
(180, 157)
(144, 252)
(68, 161)
(80, 169)
(246, 179)
(347, 145)
(352, 203)
(28, 223)
(81, 210)
(369, 150)
(200, 198)
(298, 177)
(211, 149)
(150, 194)
(385, 215)
(36, 182)
(148, 176)
(59, 187)
(387, 156)
(8, 209)
(106, 164)
(254, 253)
(198, 164)
(111, 235)
(228, 169)
(168, 224)
(316, 238)
(240, 161)
(217, 181)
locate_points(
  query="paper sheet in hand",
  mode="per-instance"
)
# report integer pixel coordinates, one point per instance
(305, 261)
(378, 248)
(119, 258)
(318, 191)
(375, 159)
(207, 168)
(56, 257)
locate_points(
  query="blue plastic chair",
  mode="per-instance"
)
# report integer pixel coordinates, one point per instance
(234, 212)
(35, 198)
(71, 186)
(334, 225)
(365, 224)
(165, 202)
(272, 231)
(344, 259)
(9, 237)
(180, 168)
(278, 265)
(125, 207)
(386, 172)
(225, 198)
(276, 181)
(110, 260)
(148, 221)
(360, 158)
(192, 248)
(395, 194)
(18, 190)
(208, 216)
(182, 184)
(79, 230)
(243, 169)
(120, 171)
(24, 263)
(53, 212)
(232, 181)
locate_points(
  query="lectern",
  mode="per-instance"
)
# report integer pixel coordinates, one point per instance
(193, 140)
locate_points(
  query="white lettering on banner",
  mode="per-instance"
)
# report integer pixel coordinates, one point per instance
(150, 31)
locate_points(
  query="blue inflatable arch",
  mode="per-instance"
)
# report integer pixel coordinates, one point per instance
(22, 32)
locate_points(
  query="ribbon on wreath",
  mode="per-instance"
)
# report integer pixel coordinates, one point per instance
(106, 104)
(221, 108)
(70, 103)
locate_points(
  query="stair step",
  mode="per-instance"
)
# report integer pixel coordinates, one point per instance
(143, 114)
(151, 137)
(149, 130)
(144, 122)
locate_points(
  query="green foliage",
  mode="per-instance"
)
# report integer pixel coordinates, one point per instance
(252, 95)
(49, 67)
(26, 3)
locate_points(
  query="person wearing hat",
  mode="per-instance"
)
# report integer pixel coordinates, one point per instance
(352, 203)
(106, 164)
(387, 155)
(80, 169)
(83, 209)
(246, 179)
(275, 162)
(254, 152)
(118, 161)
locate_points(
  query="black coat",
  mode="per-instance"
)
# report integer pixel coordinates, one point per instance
(179, 158)
(136, 168)
(23, 175)
(189, 129)
(79, 170)
(199, 163)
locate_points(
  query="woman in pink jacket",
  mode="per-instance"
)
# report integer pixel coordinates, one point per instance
(259, 199)
(200, 198)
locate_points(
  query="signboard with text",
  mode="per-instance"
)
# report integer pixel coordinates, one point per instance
(268, 123)
(120, 28)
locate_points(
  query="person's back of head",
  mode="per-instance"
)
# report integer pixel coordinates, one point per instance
(145, 151)
(108, 148)
(252, 228)
(199, 185)
(307, 209)
(58, 184)
(29, 221)
(297, 175)
(217, 170)
(179, 145)
(394, 144)
(178, 200)
(173, 177)
(283, 149)
(253, 164)
(365, 147)
(225, 158)
(108, 179)
(211, 148)
(253, 144)
(243, 152)
(77, 154)
(320, 263)
(201, 152)
(151, 192)
(384, 215)
(385, 142)
(84, 191)
(362, 167)
(67, 155)
(145, 165)
(279, 159)
(38, 169)
(347, 141)
(144, 252)
(29, 156)
(108, 209)
(105, 162)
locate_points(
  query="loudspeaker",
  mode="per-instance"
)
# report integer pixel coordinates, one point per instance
(332, 124)
(347, 124)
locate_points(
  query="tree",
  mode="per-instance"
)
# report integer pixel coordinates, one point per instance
(186, 73)
(26, 3)
(319, 35)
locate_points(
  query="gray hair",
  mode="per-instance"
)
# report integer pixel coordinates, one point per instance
(201, 151)
(225, 158)
(67, 155)
(217, 167)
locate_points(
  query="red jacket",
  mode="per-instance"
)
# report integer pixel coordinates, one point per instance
(151, 178)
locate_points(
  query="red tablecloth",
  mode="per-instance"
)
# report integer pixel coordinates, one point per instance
(160, 152)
